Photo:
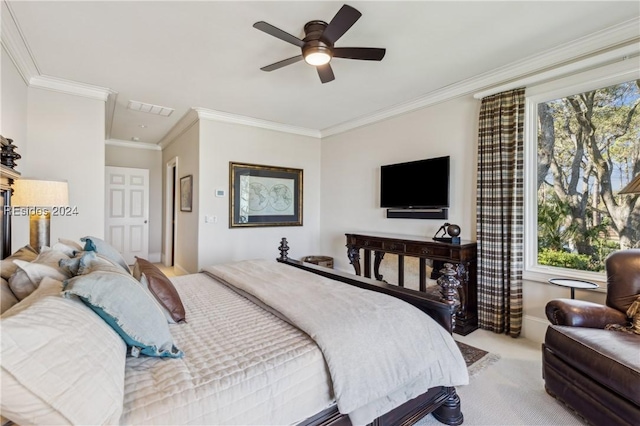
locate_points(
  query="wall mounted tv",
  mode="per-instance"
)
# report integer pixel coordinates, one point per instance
(422, 184)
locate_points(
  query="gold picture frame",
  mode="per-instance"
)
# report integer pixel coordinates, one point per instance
(262, 195)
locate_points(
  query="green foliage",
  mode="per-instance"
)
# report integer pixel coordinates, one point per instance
(564, 259)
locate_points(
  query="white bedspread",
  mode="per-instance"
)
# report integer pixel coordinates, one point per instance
(242, 365)
(380, 350)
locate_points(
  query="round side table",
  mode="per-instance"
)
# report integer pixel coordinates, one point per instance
(573, 284)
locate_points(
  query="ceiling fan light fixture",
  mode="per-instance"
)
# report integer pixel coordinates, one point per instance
(317, 58)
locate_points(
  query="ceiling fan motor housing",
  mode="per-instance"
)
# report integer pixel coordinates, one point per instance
(313, 42)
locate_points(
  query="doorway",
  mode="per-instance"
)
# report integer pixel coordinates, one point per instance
(171, 212)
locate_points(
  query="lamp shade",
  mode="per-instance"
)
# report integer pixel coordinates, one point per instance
(633, 187)
(39, 193)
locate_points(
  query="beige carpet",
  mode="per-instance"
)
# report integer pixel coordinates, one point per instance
(509, 391)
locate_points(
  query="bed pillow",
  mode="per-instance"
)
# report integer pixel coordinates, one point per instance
(105, 249)
(123, 304)
(68, 247)
(29, 274)
(7, 298)
(161, 288)
(61, 364)
(8, 267)
(144, 282)
(86, 261)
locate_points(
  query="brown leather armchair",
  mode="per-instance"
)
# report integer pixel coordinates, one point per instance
(595, 371)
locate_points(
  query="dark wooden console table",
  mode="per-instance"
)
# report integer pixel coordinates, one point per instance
(463, 256)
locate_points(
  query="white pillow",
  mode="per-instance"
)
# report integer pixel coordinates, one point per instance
(29, 274)
(61, 363)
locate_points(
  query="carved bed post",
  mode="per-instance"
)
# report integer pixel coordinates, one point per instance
(449, 412)
(284, 249)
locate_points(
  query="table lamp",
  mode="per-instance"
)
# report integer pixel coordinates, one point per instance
(633, 187)
(39, 196)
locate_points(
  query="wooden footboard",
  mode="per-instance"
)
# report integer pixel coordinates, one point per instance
(442, 401)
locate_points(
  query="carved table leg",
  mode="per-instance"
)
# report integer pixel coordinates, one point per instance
(378, 256)
(353, 253)
(463, 276)
(449, 412)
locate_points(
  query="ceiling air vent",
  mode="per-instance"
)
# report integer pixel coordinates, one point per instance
(151, 109)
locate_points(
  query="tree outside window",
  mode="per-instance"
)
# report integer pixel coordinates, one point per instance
(588, 150)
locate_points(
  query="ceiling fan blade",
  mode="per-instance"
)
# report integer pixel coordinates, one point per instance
(344, 19)
(363, 53)
(282, 63)
(278, 33)
(326, 73)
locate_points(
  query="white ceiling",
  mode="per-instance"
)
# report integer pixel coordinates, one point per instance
(207, 54)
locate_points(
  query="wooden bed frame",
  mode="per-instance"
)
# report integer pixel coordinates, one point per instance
(7, 176)
(443, 402)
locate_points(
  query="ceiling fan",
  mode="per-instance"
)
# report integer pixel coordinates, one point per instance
(318, 43)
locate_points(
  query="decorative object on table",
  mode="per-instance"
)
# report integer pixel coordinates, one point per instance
(633, 187)
(41, 198)
(325, 261)
(450, 234)
(264, 195)
(186, 193)
(8, 155)
(573, 284)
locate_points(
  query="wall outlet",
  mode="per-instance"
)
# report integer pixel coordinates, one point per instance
(220, 192)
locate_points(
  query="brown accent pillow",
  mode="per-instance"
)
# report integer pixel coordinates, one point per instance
(7, 267)
(161, 288)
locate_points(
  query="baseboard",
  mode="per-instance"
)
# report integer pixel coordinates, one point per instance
(155, 257)
(179, 270)
(534, 328)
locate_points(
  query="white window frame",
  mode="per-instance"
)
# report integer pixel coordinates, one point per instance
(609, 75)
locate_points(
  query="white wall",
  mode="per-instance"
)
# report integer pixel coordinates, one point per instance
(65, 136)
(13, 113)
(186, 148)
(351, 173)
(151, 160)
(351, 177)
(224, 142)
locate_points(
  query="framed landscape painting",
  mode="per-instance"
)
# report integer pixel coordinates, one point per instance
(264, 195)
(186, 193)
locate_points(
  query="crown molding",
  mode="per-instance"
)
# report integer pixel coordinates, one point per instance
(212, 115)
(619, 36)
(71, 87)
(16, 46)
(136, 145)
(185, 122)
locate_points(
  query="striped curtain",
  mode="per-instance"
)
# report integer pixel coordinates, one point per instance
(500, 212)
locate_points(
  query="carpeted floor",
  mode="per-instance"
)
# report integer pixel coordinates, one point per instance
(510, 390)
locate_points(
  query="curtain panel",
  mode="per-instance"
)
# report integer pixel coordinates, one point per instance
(500, 212)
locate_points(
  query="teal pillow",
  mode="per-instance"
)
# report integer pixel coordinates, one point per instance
(123, 304)
(105, 249)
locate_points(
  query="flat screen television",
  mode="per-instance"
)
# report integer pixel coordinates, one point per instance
(422, 184)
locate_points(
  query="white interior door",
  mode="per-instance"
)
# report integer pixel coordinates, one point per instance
(127, 216)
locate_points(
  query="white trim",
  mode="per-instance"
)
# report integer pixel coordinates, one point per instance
(591, 79)
(184, 124)
(70, 87)
(136, 145)
(109, 108)
(616, 37)
(534, 328)
(16, 46)
(179, 270)
(213, 115)
(154, 257)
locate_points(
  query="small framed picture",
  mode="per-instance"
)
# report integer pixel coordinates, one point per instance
(186, 193)
(264, 195)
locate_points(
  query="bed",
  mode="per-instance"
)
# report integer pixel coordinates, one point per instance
(246, 353)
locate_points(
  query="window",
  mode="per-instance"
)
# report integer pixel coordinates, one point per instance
(583, 146)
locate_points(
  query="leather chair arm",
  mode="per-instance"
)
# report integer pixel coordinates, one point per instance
(580, 313)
